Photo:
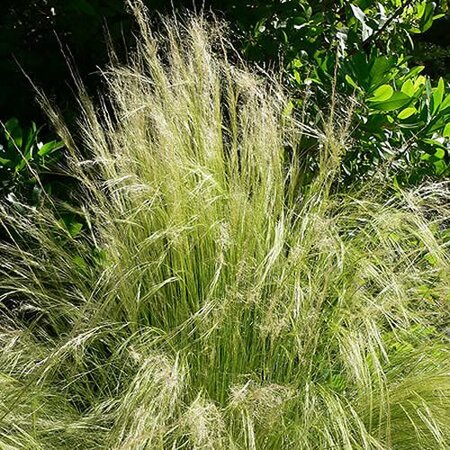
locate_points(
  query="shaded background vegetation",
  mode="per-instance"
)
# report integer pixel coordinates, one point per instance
(32, 34)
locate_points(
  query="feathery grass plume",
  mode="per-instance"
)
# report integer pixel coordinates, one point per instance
(211, 302)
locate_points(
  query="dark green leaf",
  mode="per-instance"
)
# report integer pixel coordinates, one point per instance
(14, 132)
(427, 18)
(50, 147)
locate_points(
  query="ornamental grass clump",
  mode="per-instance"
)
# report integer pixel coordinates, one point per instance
(213, 300)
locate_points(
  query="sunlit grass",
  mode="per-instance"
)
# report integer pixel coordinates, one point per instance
(211, 301)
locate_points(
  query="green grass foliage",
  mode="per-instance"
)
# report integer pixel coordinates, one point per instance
(212, 300)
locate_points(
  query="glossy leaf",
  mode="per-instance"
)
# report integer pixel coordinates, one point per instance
(446, 103)
(358, 13)
(446, 132)
(438, 95)
(382, 94)
(408, 88)
(50, 147)
(427, 18)
(407, 112)
(396, 101)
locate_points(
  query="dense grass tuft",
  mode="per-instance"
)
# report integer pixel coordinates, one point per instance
(213, 301)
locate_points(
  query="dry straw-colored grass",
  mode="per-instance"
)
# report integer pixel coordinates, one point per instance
(212, 300)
